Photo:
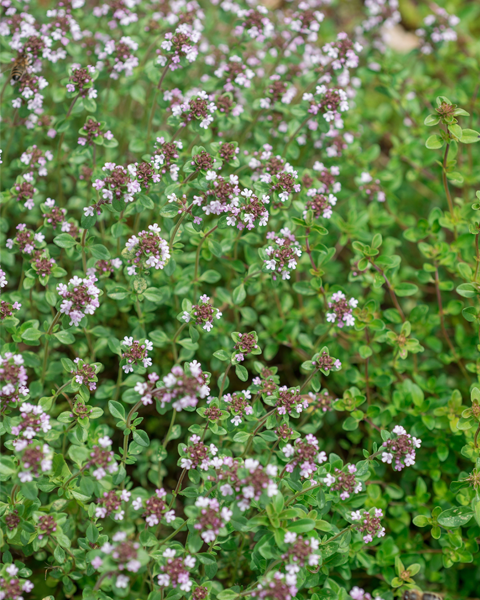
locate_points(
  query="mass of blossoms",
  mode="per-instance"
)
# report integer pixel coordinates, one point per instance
(239, 300)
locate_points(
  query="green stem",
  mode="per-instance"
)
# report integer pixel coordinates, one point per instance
(172, 535)
(74, 476)
(262, 422)
(60, 141)
(178, 488)
(119, 383)
(197, 260)
(157, 90)
(126, 433)
(172, 421)
(174, 341)
(291, 138)
(224, 378)
(84, 258)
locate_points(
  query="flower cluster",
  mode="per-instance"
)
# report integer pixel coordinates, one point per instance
(306, 454)
(32, 420)
(155, 508)
(202, 314)
(102, 459)
(437, 28)
(146, 250)
(344, 481)
(182, 387)
(341, 310)
(211, 518)
(400, 449)
(136, 352)
(369, 524)
(239, 404)
(175, 571)
(13, 378)
(85, 374)
(283, 255)
(198, 455)
(80, 298)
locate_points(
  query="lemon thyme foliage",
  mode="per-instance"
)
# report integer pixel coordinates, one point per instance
(239, 321)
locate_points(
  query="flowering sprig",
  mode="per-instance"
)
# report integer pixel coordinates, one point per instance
(136, 352)
(202, 313)
(282, 256)
(341, 310)
(80, 298)
(146, 250)
(400, 450)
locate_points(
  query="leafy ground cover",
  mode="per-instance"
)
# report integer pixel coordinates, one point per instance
(239, 312)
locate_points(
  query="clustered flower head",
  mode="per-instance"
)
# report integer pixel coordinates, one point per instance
(198, 455)
(7, 308)
(301, 551)
(32, 420)
(136, 352)
(110, 504)
(326, 363)
(80, 298)
(180, 44)
(125, 555)
(211, 518)
(174, 571)
(341, 310)
(35, 459)
(155, 508)
(280, 586)
(372, 187)
(239, 405)
(401, 449)
(344, 481)
(11, 586)
(252, 481)
(306, 454)
(26, 240)
(199, 109)
(118, 57)
(320, 204)
(246, 209)
(55, 216)
(438, 28)
(289, 401)
(13, 379)
(202, 313)
(85, 374)
(245, 343)
(181, 388)
(102, 459)
(369, 523)
(146, 250)
(283, 254)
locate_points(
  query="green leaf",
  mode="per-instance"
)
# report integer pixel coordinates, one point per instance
(210, 276)
(455, 517)
(116, 410)
(421, 521)
(405, 289)
(470, 136)
(241, 372)
(434, 142)
(141, 438)
(31, 334)
(303, 288)
(64, 240)
(65, 337)
(239, 294)
(100, 252)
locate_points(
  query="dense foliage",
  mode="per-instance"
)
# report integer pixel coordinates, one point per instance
(240, 278)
